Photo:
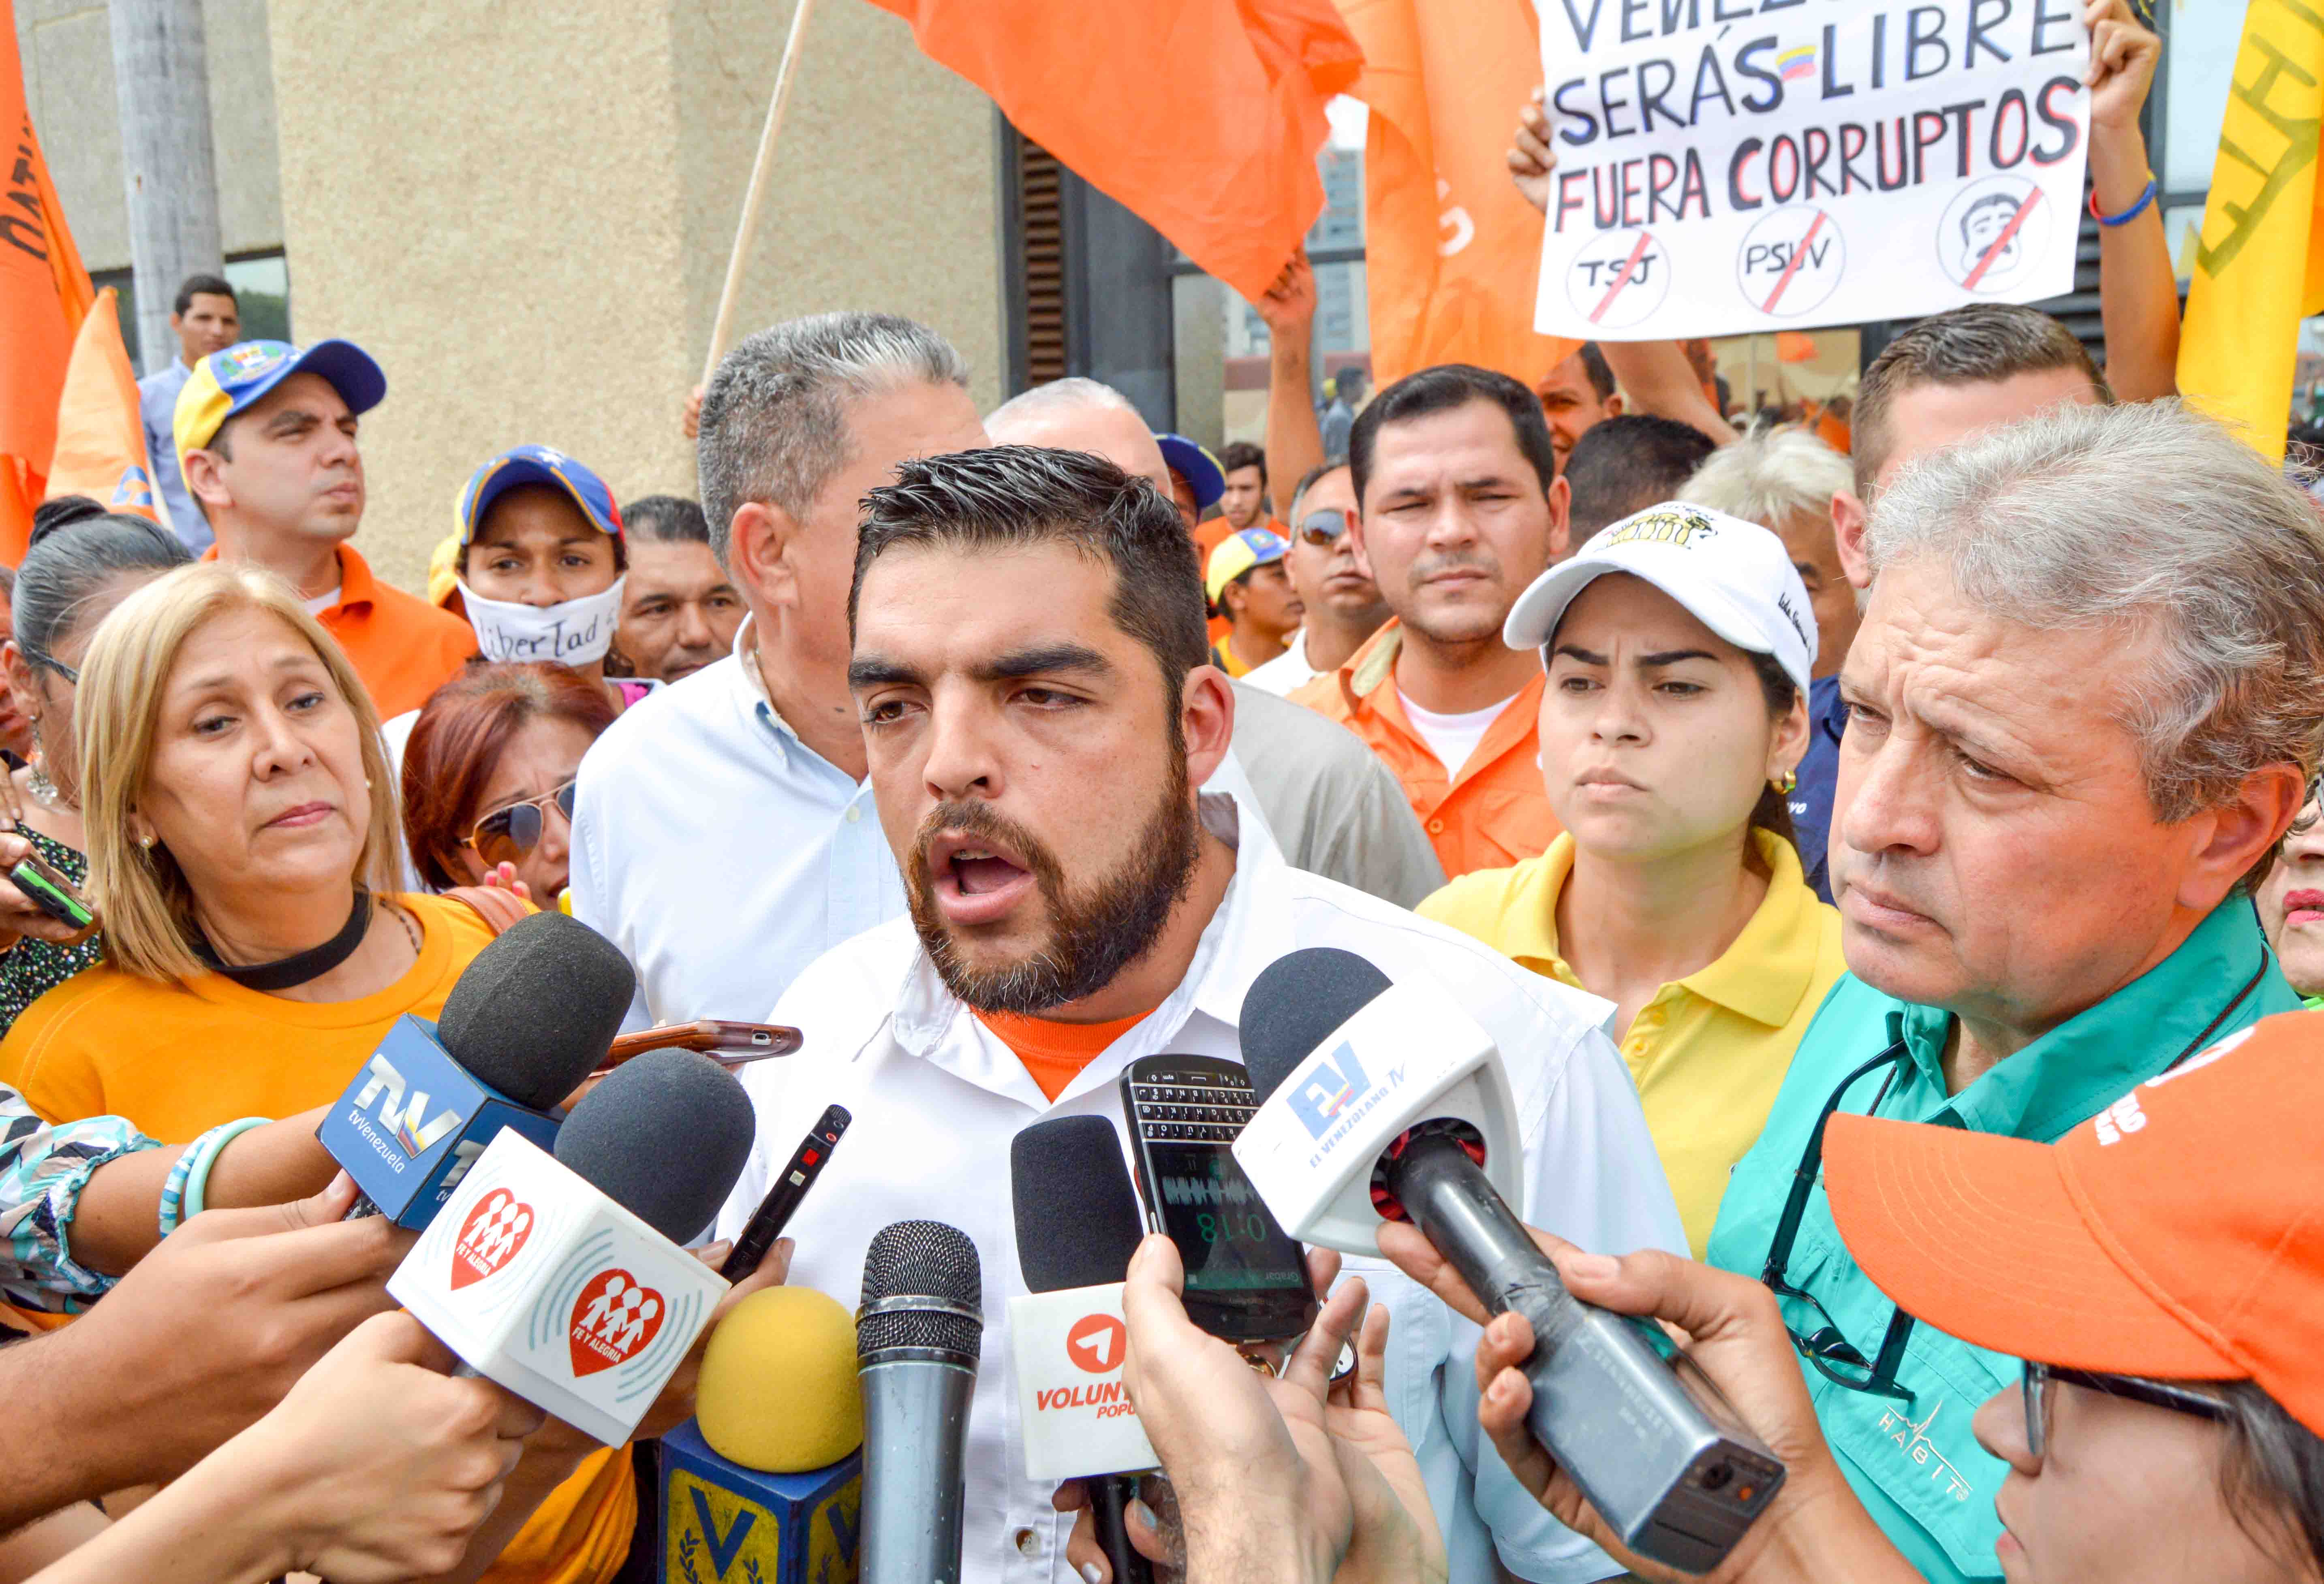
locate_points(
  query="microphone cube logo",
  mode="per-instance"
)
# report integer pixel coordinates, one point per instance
(402, 1115)
(1098, 1343)
(1324, 1093)
(614, 1317)
(490, 1238)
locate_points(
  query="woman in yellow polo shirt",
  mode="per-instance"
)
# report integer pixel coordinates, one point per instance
(1677, 644)
(242, 832)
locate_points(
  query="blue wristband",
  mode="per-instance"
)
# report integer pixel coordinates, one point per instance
(2129, 214)
(182, 1195)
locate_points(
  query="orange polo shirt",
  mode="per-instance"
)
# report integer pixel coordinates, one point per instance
(404, 647)
(1494, 814)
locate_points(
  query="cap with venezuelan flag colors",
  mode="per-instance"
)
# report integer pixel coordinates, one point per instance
(536, 465)
(1238, 553)
(228, 383)
(1197, 467)
(2179, 1234)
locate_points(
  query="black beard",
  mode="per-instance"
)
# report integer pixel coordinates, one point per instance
(1092, 937)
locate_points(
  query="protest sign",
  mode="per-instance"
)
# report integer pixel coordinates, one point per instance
(1726, 166)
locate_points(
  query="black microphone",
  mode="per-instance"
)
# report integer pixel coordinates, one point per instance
(1658, 1453)
(1077, 1225)
(528, 1019)
(665, 1137)
(918, 1337)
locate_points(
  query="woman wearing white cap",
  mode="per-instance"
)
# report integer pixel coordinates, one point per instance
(1677, 644)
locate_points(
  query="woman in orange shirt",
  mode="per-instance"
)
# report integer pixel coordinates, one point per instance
(242, 830)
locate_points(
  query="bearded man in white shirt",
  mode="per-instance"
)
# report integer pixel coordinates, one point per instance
(1030, 668)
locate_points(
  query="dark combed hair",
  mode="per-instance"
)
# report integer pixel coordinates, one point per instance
(1980, 344)
(1005, 496)
(2271, 1474)
(78, 547)
(204, 286)
(1628, 464)
(666, 520)
(1600, 372)
(1243, 454)
(1441, 390)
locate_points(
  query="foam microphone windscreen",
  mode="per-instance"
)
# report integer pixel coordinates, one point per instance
(778, 1390)
(1293, 1005)
(1077, 1221)
(921, 1259)
(537, 1009)
(665, 1137)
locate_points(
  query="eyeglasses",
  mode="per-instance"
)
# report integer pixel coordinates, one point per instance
(1323, 528)
(1831, 1354)
(2155, 1394)
(514, 829)
(35, 658)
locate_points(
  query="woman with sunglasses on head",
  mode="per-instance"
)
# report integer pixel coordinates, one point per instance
(2158, 1269)
(83, 562)
(241, 826)
(1677, 644)
(488, 777)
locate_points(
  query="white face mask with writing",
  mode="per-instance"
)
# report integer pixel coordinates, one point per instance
(572, 634)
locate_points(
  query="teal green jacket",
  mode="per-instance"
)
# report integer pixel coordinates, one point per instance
(1915, 1465)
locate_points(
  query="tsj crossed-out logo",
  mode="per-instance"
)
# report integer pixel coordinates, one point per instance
(1326, 1092)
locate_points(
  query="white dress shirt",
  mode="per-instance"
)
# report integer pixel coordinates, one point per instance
(937, 1098)
(1286, 671)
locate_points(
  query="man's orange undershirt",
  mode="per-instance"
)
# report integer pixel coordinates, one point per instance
(1054, 1053)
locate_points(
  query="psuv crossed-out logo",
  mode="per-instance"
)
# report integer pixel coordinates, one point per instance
(401, 1114)
(1326, 1092)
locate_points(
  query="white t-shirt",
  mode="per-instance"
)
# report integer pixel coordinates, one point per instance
(1286, 670)
(1453, 739)
(322, 603)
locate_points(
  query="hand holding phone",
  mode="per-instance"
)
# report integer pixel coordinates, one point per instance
(730, 1044)
(35, 899)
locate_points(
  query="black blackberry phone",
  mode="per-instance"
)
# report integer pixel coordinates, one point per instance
(1246, 1277)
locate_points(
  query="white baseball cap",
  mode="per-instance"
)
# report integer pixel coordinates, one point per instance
(1733, 576)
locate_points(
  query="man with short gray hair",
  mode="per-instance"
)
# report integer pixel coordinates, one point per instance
(722, 834)
(2085, 702)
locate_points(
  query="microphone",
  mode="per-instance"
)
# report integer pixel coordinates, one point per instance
(917, 1336)
(1388, 1102)
(766, 1480)
(525, 1023)
(1077, 1225)
(561, 1276)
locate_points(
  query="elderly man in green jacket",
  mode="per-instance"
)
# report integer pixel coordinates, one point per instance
(2083, 709)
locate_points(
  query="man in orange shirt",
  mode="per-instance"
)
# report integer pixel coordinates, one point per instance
(266, 439)
(1454, 468)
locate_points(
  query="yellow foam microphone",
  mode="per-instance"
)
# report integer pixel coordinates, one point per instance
(769, 1468)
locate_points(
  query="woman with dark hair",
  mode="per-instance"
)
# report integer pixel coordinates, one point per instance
(83, 561)
(1677, 644)
(488, 777)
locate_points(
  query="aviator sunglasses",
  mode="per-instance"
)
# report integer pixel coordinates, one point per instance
(514, 829)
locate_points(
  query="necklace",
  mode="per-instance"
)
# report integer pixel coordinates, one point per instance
(298, 969)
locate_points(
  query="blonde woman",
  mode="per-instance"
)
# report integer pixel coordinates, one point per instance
(242, 838)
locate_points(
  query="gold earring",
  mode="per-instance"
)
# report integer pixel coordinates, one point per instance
(1785, 782)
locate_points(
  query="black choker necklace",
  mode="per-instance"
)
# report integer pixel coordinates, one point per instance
(289, 972)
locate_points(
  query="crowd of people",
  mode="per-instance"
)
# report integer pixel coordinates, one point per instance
(1890, 876)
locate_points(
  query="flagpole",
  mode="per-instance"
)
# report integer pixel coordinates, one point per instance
(760, 168)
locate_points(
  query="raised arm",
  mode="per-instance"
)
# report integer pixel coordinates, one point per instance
(1294, 440)
(2138, 291)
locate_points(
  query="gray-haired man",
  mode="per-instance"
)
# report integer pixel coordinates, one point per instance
(724, 836)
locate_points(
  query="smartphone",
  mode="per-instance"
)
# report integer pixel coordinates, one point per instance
(1246, 1277)
(50, 892)
(791, 1184)
(729, 1044)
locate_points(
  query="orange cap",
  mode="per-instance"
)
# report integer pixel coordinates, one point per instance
(2179, 1234)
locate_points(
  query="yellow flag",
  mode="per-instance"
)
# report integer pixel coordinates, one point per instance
(2259, 267)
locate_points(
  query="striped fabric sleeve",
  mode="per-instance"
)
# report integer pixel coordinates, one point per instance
(42, 1170)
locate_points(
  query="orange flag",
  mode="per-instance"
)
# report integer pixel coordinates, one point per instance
(1203, 117)
(1794, 346)
(1452, 251)
(100, 436)
(43, 293)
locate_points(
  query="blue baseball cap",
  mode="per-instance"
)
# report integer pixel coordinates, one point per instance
(537, 465)
(1197, 467)
(230, 382)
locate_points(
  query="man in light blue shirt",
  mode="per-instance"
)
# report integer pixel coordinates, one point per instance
(206, 318)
